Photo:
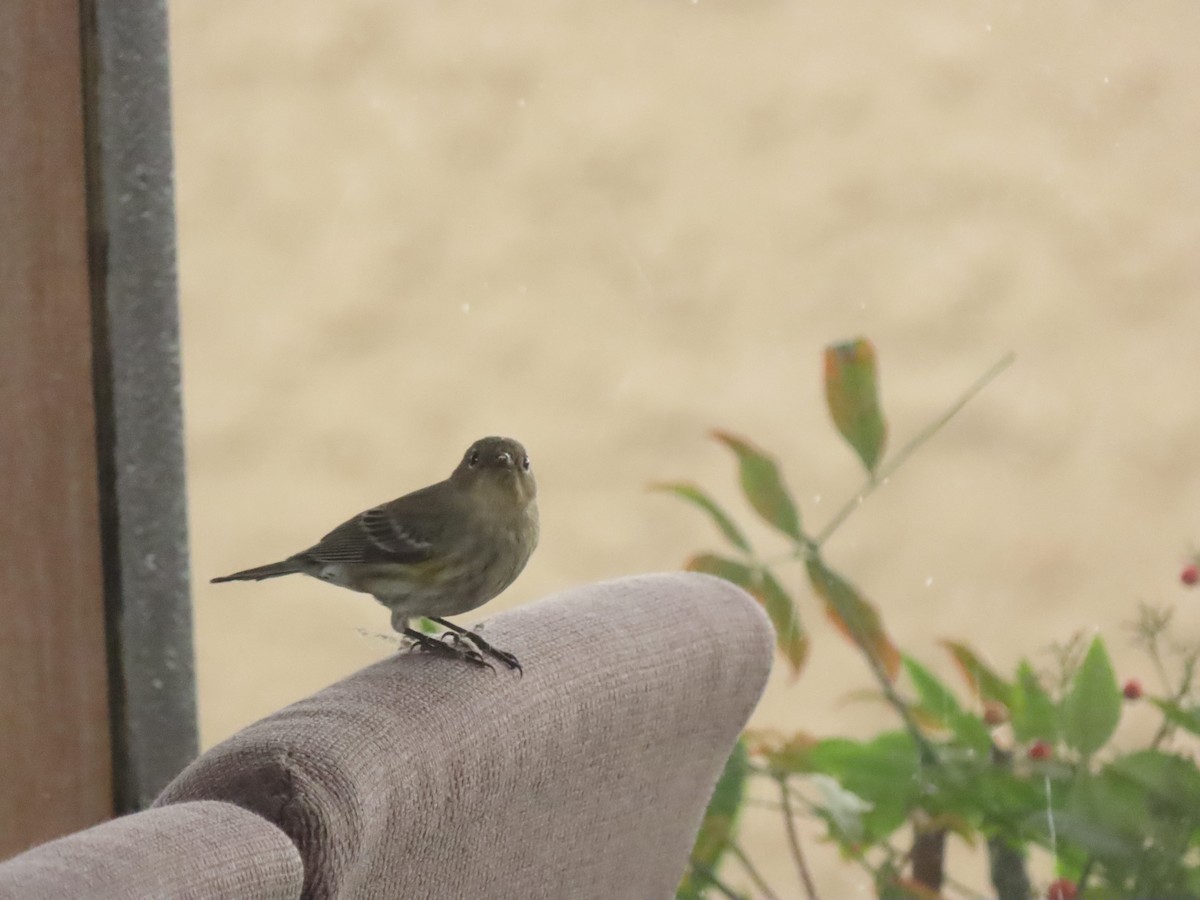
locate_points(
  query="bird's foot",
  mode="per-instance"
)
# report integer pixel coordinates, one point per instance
(504, 656)
(461, 634)
(440, 647)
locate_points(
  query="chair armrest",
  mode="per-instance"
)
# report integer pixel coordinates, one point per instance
(421, 776)
(205, 850)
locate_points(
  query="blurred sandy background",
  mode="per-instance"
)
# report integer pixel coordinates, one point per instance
(605, 228)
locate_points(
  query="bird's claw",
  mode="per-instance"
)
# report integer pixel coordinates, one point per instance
(508, 659)
(452, 649)
(504, 656)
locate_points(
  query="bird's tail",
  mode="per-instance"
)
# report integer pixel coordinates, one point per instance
(258, 573)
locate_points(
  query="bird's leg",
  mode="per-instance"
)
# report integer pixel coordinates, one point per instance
(504, 656)
(435, 645)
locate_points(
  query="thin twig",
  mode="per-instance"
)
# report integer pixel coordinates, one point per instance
(925, 748)
(810, 889)
(1167, 727)
(902, 455)
(1156, 658)
(754, 874)
(1081, 882)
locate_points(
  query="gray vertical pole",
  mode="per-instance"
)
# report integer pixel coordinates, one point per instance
(137, 374)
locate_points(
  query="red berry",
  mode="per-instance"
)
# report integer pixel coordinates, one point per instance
(1061, 889)
(1132, 689)
(1040, 750)
(1190, 574)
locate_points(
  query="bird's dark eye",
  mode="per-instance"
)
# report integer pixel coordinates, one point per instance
(473, 459)
(525, 463)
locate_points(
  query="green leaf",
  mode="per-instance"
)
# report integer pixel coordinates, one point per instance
(853, 615)
(1171, 783)
(982, 679)
(1094, 837)
(1112, 802)
(852, 393)
(717, 827)
(935, 696)
(790, 635)
(1034, 715)
(763, 485)
(1092, 708)
(995, 795)
(1187, 719)
(694, 495)
(937, 699)
(884, 772)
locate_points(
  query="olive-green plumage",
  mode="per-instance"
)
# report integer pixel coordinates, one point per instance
(443, 550)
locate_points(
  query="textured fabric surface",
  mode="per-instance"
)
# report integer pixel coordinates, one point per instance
(587, 778)
(190, 851)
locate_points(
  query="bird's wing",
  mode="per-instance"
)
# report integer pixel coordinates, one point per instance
(375, 536)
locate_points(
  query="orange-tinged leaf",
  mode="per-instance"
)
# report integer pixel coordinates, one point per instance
(786, 754)
(763, 485)
(983, 680)
(694, 495)
(852, 394)
(853, 615)
(790, 637)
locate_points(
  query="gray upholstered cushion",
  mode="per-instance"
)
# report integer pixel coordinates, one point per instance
(423, 777)
(197, 851)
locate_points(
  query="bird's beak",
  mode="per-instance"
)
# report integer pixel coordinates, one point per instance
(505, 459)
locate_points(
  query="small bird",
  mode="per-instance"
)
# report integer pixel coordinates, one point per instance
(440, 551)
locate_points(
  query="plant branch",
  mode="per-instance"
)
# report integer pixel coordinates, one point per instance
(1185, 685)
(754, 874)
(785, 797)
(711, 877)
(928, 754)
(876, 479)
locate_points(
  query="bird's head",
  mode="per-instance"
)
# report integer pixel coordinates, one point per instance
(499, 465)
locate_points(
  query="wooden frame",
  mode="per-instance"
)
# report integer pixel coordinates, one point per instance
(97, 692)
